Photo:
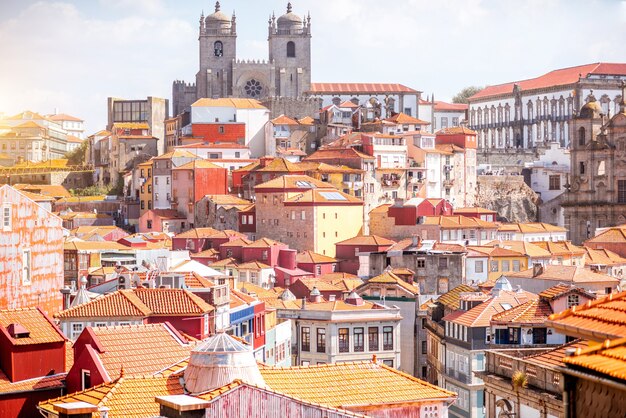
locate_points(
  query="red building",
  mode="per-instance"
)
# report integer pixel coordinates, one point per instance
(215, 132)
(457, 135)
(477, 213)
(315, 263)
(347, 251)
(102, 354)
(287, 271)
(234, 248)
(408, 212)
(194, 240)
(31, 254)
(247, 220)
(265, 250)
(187, 312)
(259, 325)
(32, 361)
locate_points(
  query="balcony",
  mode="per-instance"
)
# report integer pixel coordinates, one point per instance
(459, 376)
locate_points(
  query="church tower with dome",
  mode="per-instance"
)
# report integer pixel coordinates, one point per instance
(279, 82)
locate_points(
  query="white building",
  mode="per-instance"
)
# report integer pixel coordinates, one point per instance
(342, 330)
(448, 115)
(230, 111)
(531, 113)
(531, 232)
(73, 125)
(218, 151)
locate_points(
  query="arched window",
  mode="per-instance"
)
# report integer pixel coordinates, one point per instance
(291, 49)
(581, 136)
(218, 48)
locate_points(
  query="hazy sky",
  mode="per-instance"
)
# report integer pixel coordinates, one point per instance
(71, 55)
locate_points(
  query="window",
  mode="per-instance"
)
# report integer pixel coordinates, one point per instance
(372, 338)
(85, 377)
(318, 270)
(387, 338)
(149, 204)
(218, 48)
(516, 265)
(442, 285)
(149, 224)
(573, 300)
(581, 167)
(505, 265)
(359, 342)
(291, 49)
(555, 182)
(321, 340)
(424, 347)
(264, 255)
(479, 267)
(26, 265)
(443, 262)
(6, 217)
(303, 215)
(77, 328)
(306, 339)
(621, 191)
(344, 340)
(388, 363)
(421, 263)
(581, 136)
(540, 335)
(514, 334)
(494, 265)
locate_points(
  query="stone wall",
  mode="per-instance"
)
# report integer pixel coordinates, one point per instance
(509, 196)
(294, 108)
(510, 160)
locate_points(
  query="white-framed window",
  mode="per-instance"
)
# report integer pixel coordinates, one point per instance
(77, 328)
(26, 267)
(85, 379)
(6, 217)
(100, 324)
(479, 266)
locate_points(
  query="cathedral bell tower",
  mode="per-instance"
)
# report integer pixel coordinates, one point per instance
(290, 52)
(218, 50)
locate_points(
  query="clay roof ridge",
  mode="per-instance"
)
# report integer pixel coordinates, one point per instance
(590, 304)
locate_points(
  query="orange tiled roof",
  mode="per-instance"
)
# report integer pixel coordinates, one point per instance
(390, 278)
(442, 106)
(527, 248)
(572, 274)
(608, 358)
(616, 234)
(224, 263)
(192, 165)
(534, 311)
(458, 221)
(255, 264)
(403, 118)
(596, 320)
(323, 196)
(362, 383)
(313, 257)
(264, 243)
(28, 385)
(461, 211)
(284, 120)
(300, 182)
(554, 358)
(140, 302)
(154, 347)
(197, 233)
(563, 76)
(229, 102)
(44, 189)
(362, 88)
(480, 315)
(64, 117)
(602, 257)
(129, 397)
(40, 327)
(451, 299)
(366, 240)
(195, 281)
(562, 289)
(321, 284)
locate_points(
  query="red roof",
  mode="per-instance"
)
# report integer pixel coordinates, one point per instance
(356, 88)
(459, 107)
(561, 77)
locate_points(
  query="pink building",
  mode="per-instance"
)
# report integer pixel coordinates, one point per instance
(162, 220)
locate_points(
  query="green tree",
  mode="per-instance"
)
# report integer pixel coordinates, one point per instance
(77, 156)
(466, 93)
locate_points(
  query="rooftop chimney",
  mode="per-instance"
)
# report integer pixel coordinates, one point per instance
(182, 406)
(315, 296)
(287, 258)
(416, 241)
(537, 269)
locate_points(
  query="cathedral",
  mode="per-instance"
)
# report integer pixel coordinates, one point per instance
(280, 81)
(596, 194)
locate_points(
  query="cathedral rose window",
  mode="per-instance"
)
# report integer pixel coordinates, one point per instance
(253, 88)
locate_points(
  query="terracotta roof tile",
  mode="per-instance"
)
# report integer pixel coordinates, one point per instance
(362, 383)
(534, 311)
(284, 120)
(390, 278)
(130, 397)
(143, 349)
(458, 221)
(38, 383)
(40, 328)
(563, 76)
(572, 274)
(363, 88)
(229, 102)
(480, 315)
(140, 302)
(608, 358)
(403, 118)
(451, 299)
(563, 289)
(597, 320)
(616, 234)
(321, 284)
(298, 182)
(264, 243)
(367, 240)
(443, 106)
(554, 358)
(197, 233)
(323, 196)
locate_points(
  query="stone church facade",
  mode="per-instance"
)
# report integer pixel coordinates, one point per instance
(596, 194)
(278, 82)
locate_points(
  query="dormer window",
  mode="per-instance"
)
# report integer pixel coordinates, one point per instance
(18, 331)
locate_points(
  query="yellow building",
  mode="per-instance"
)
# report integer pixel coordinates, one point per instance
(501, 260)
(145, 190)
(307, 214)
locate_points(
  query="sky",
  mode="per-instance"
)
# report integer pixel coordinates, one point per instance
(70, 55)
